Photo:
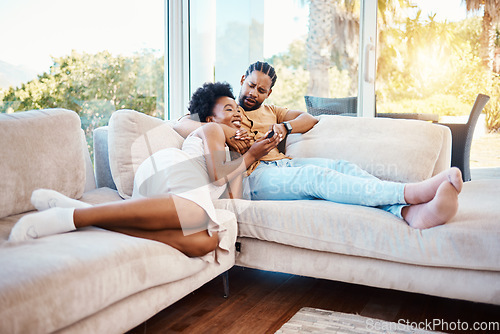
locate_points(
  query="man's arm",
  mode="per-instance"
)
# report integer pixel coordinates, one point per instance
(300, 121)
(186, 125)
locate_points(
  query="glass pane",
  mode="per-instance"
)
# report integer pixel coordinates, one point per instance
(303, 40)
(431, 59)
(93, 57)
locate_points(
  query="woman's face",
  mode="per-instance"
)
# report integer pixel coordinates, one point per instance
(226, 112)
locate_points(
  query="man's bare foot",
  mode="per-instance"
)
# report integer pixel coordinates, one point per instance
(436, 212)
(423, 192)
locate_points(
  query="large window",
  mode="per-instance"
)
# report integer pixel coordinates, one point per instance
(93, 57)
(436, 57)
(425, 51)
(431, 57)
(314, 45)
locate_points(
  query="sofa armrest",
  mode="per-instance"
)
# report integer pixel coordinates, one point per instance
(101, 159)
(444, 158)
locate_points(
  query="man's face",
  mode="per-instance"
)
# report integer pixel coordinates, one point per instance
(254, 90)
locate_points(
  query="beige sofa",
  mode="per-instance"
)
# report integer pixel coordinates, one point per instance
(352, 243)
(314, 238)
(92, 280)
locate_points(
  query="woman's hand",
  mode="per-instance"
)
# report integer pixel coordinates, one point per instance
(238, 139)
(280, 130)
(263, 145)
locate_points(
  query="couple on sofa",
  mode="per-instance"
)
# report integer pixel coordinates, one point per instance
(174, 189)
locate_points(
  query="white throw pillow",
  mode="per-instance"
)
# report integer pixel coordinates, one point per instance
(132, 138)
(391, 149)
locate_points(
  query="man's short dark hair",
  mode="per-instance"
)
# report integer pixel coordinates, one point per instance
(264, 68)
(203, 100)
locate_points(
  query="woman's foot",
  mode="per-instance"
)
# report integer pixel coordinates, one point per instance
(423, 192)
(43, 223)
(436, 212)
(44, 199)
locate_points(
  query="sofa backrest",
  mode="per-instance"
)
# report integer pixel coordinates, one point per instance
(391, 149)
(41, 149)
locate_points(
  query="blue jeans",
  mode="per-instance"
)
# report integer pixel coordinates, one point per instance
(333, 180)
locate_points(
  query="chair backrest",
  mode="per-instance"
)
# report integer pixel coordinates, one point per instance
(463, 159)
(478, 106)
(331, 106)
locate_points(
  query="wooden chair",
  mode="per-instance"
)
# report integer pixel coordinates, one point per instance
(461, 135)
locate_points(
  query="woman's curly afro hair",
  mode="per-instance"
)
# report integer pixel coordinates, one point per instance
(203, 100)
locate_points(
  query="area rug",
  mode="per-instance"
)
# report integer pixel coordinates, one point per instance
(312, 320)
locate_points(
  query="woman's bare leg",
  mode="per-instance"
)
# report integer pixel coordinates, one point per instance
(193, 245)
(150, 214)
(158, 213)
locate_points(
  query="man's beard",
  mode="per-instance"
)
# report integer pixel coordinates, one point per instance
(241, 102)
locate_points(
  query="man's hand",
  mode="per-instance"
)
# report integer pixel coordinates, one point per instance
(239, 140)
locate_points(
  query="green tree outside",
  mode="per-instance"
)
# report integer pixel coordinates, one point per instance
(411, 76)
(94, 86)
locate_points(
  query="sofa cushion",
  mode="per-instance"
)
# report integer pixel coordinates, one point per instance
(391, 149)
(40, 149)
(469, 240)
(133, 137)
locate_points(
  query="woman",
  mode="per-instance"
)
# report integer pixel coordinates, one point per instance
(173, 189)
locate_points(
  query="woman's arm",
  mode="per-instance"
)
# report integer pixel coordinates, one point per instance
(238, 139)
(221, 171)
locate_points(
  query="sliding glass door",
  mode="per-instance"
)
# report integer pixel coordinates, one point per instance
(313, 45)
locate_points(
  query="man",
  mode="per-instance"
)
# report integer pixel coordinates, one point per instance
(277, 177)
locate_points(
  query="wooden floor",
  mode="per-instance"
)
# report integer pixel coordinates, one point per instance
(261, 302)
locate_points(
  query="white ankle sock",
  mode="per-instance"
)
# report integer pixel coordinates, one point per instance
(43, 223)
(44, 199)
